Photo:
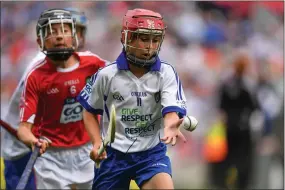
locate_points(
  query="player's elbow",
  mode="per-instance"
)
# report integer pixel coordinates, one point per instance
(88, 117)
(24, 130)
(171, 115)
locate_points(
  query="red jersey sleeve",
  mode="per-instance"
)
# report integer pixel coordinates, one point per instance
(93, 59)
(29, 99)
(98, 63)
(102, 63)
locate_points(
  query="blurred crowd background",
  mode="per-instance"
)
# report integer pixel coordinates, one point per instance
(206, 42)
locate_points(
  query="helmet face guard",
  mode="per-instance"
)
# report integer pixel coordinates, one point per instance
(140, 22)
(45, 32)
(81, 23)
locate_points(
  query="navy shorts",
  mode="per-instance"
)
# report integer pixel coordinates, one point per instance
(13, 172)
(119, 168)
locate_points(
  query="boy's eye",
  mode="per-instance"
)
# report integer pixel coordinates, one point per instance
(55, 32)
(50, 32)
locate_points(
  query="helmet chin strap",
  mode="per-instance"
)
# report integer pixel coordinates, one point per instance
(59, 54)
(143, 63)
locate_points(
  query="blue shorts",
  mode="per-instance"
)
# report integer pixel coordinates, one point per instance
(119, 168)
(14, 170)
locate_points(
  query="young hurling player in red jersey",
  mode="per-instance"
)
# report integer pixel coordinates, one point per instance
(16, 154)
(49, 107)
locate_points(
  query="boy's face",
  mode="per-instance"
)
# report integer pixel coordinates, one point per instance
(58, 36)
(144, 46)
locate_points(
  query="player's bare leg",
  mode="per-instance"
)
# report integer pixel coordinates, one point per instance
(159, 181)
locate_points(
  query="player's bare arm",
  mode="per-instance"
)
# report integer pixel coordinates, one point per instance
(171, 128)
(92, 126)
(26, 136)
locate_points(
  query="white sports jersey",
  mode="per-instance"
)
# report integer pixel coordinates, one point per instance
(140, 102)
(11, 147)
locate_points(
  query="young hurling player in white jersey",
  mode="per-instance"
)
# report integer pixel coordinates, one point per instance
(15, 153)
(148, 96)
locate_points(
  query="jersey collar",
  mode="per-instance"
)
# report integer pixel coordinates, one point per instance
(122, 63)
(51, 65)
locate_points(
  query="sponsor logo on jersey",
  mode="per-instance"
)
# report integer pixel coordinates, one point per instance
(129, 114)
(139, 94)
(71, 82)
(71, 111)
(53, 91)
(69, 101)
(159, 164)
(141, 123)
(141, 131)
(87, 90)
(117, 96)
(182, 103)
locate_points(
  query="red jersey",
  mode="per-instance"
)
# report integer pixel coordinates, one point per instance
(49, 100)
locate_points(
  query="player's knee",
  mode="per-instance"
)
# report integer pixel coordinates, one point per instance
(160, 180)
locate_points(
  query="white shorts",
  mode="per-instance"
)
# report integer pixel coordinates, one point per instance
(61, 168)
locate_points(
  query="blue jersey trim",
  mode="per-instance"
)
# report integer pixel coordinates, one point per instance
(179, 90)
(181, 112)
(83, 97)
(122, 63)
(83, 102)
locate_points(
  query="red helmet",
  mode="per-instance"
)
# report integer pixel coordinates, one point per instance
(142, 21)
